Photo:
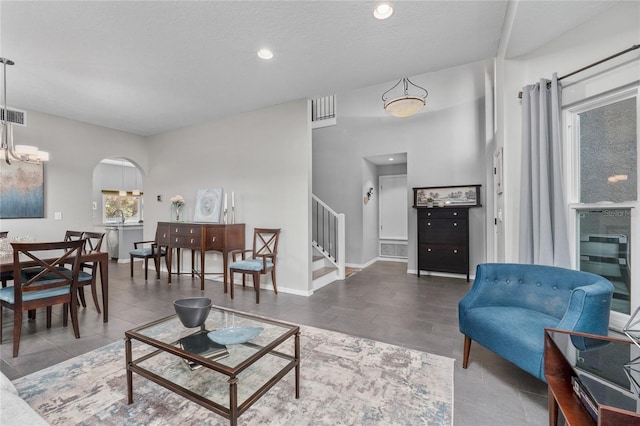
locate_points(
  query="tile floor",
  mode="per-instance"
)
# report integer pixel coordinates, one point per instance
(381, 302)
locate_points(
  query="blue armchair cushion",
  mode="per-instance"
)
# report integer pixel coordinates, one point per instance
(146, 252)
(253, 265)
(510, 305)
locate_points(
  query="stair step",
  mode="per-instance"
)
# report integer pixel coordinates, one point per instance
(322, 272)
(317, 257)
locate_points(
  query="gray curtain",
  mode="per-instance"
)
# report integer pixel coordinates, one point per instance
(543, 224)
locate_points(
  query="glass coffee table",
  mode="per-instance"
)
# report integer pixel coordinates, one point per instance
(232, 380)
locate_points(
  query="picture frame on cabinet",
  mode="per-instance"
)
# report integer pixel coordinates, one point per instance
(448, 196)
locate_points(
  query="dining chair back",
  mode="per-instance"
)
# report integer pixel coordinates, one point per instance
(39, 281)
(93, 244)
(72, 235)
(259, 260)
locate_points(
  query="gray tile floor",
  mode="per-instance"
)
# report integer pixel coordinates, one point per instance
(382, 302)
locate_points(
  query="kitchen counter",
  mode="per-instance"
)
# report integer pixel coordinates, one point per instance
(120, 238)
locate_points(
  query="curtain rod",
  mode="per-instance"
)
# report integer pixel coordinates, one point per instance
(632, 48)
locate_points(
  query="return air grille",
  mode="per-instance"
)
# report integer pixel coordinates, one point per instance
(14, 116)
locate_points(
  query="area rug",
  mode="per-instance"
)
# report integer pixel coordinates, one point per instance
(345, 380)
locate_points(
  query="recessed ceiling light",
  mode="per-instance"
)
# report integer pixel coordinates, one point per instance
(390, 158)
(265, 53)
(383, 11)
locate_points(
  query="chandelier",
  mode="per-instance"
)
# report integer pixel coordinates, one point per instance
(24, 153)
(402, 104)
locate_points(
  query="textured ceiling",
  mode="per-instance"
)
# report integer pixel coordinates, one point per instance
(152, 66)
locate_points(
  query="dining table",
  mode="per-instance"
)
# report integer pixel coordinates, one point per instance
(101, 258)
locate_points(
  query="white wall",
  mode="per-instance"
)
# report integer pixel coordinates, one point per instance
(264, 157)
(75, 148)
(370, 222)
(445, 145)
(614, 30)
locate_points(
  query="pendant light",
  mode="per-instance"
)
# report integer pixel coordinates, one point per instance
(403, 104)
(24, 153)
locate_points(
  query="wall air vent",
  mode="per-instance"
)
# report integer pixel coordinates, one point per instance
(323, 111)
(14, 116)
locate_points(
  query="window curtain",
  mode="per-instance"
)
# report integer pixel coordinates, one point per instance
(543, 223)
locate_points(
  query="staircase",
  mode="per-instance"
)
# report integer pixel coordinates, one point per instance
(328, 241)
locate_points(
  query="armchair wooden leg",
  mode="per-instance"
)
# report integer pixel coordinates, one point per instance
(273, 280)
(73, 306)
(17, 328)
(467, 349)
(65, 314)
(131, 264)
(156, 263)
(146, 268)
(81, 297)
(49, 309)
(94, 294)
(231, 274)
(256, 285)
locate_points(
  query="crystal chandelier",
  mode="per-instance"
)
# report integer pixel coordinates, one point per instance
(24, 153)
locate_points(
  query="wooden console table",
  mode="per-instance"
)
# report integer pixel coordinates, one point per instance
(201, 237)
(595, 360)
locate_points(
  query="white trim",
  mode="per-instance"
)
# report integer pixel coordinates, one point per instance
(571, 117)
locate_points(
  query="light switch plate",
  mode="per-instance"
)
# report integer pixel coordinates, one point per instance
(57, 215)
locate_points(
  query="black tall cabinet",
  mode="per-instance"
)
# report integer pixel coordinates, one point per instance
(443, 240)
(443, 232)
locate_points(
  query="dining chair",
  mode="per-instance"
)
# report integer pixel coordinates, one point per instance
(93, 244)
(149, 250)
(84, 278)
(259, 260)
(40, 282)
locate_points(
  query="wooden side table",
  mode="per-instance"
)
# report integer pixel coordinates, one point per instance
(564, 357)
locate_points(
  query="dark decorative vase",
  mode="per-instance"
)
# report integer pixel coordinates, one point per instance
(192, 311)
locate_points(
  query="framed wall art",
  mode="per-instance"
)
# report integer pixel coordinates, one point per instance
(208, 205)
(447, 196)
(21, 190)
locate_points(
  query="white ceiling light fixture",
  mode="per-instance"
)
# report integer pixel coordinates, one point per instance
(24, 153)
(399, 103)
(383, 11)
(265, 54)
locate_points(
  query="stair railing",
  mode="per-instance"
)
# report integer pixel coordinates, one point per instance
(328, 234)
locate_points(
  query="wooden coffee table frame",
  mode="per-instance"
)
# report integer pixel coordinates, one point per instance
(234, 411)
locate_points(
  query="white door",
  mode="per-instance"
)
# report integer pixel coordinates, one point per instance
(393, 207)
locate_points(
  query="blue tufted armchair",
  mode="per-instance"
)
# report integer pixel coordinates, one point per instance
(510, 305)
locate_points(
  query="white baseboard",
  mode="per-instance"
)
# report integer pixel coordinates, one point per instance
(440, 274)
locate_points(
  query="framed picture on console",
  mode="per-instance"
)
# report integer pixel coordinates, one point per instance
(447, 196)
(208, 205)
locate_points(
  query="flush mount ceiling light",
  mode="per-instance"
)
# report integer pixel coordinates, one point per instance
(399, 103)
(24, 153)
(265, 54)
(383, 11)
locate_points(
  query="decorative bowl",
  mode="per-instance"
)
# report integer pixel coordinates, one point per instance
(192, 311)
(234, 335)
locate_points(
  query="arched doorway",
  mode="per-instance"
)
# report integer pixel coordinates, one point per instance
(118, 205)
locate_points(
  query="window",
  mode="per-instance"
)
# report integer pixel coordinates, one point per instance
(114, 203)
(604, 193)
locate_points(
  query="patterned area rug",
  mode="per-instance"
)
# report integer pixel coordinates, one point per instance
(345, 380)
